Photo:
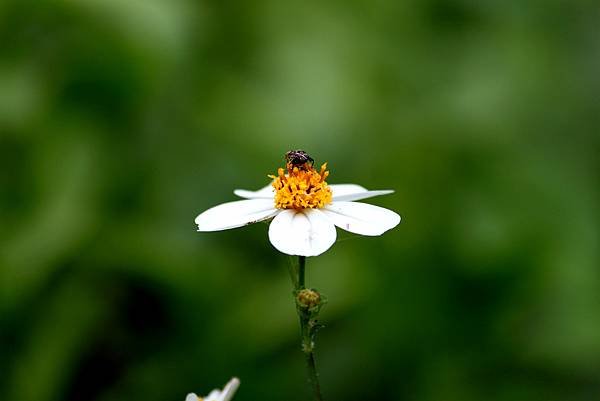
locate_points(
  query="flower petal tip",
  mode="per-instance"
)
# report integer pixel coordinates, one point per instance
(191, 397)
(230, 389)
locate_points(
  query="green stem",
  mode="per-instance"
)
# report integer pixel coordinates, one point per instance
(301, 270)
(306, 328)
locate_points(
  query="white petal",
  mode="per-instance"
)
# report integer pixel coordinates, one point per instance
(345, 189)
(191, 397)
(352, 192)
(214, 395)
(267, 192)
(305, 233)
(361, 218)
(235, 214)
(363, 195)
(230, 389)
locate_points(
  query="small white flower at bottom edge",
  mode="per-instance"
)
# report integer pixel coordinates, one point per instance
(218, 395)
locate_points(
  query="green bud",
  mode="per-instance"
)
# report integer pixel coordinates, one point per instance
(308, 298)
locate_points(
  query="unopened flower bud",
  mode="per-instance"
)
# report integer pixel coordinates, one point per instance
(308, 298)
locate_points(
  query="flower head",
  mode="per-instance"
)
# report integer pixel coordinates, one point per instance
(302, 187)
(218, 395)
(304, 207)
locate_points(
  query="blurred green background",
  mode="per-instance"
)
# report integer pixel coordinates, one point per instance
(121, 120)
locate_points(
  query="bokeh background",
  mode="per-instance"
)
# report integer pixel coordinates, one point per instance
(121, 120)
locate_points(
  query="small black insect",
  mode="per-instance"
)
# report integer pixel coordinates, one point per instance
(298, 158)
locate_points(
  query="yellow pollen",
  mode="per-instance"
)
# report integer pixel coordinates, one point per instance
(302, 187)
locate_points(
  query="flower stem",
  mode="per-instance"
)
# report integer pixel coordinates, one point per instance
(301, 270)
(307, 329)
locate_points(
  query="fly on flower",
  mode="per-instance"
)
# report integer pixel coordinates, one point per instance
(218, 395)
(298, 158)
(304, 207)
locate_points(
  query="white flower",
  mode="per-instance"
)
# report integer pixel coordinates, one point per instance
(216, 395)
(304, 208)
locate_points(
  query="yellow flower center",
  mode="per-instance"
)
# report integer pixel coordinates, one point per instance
(302, 187)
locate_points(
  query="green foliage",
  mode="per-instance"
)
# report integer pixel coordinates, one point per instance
(120, 121)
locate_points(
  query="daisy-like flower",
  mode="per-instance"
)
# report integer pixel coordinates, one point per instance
(304, 207)
(218, 395)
